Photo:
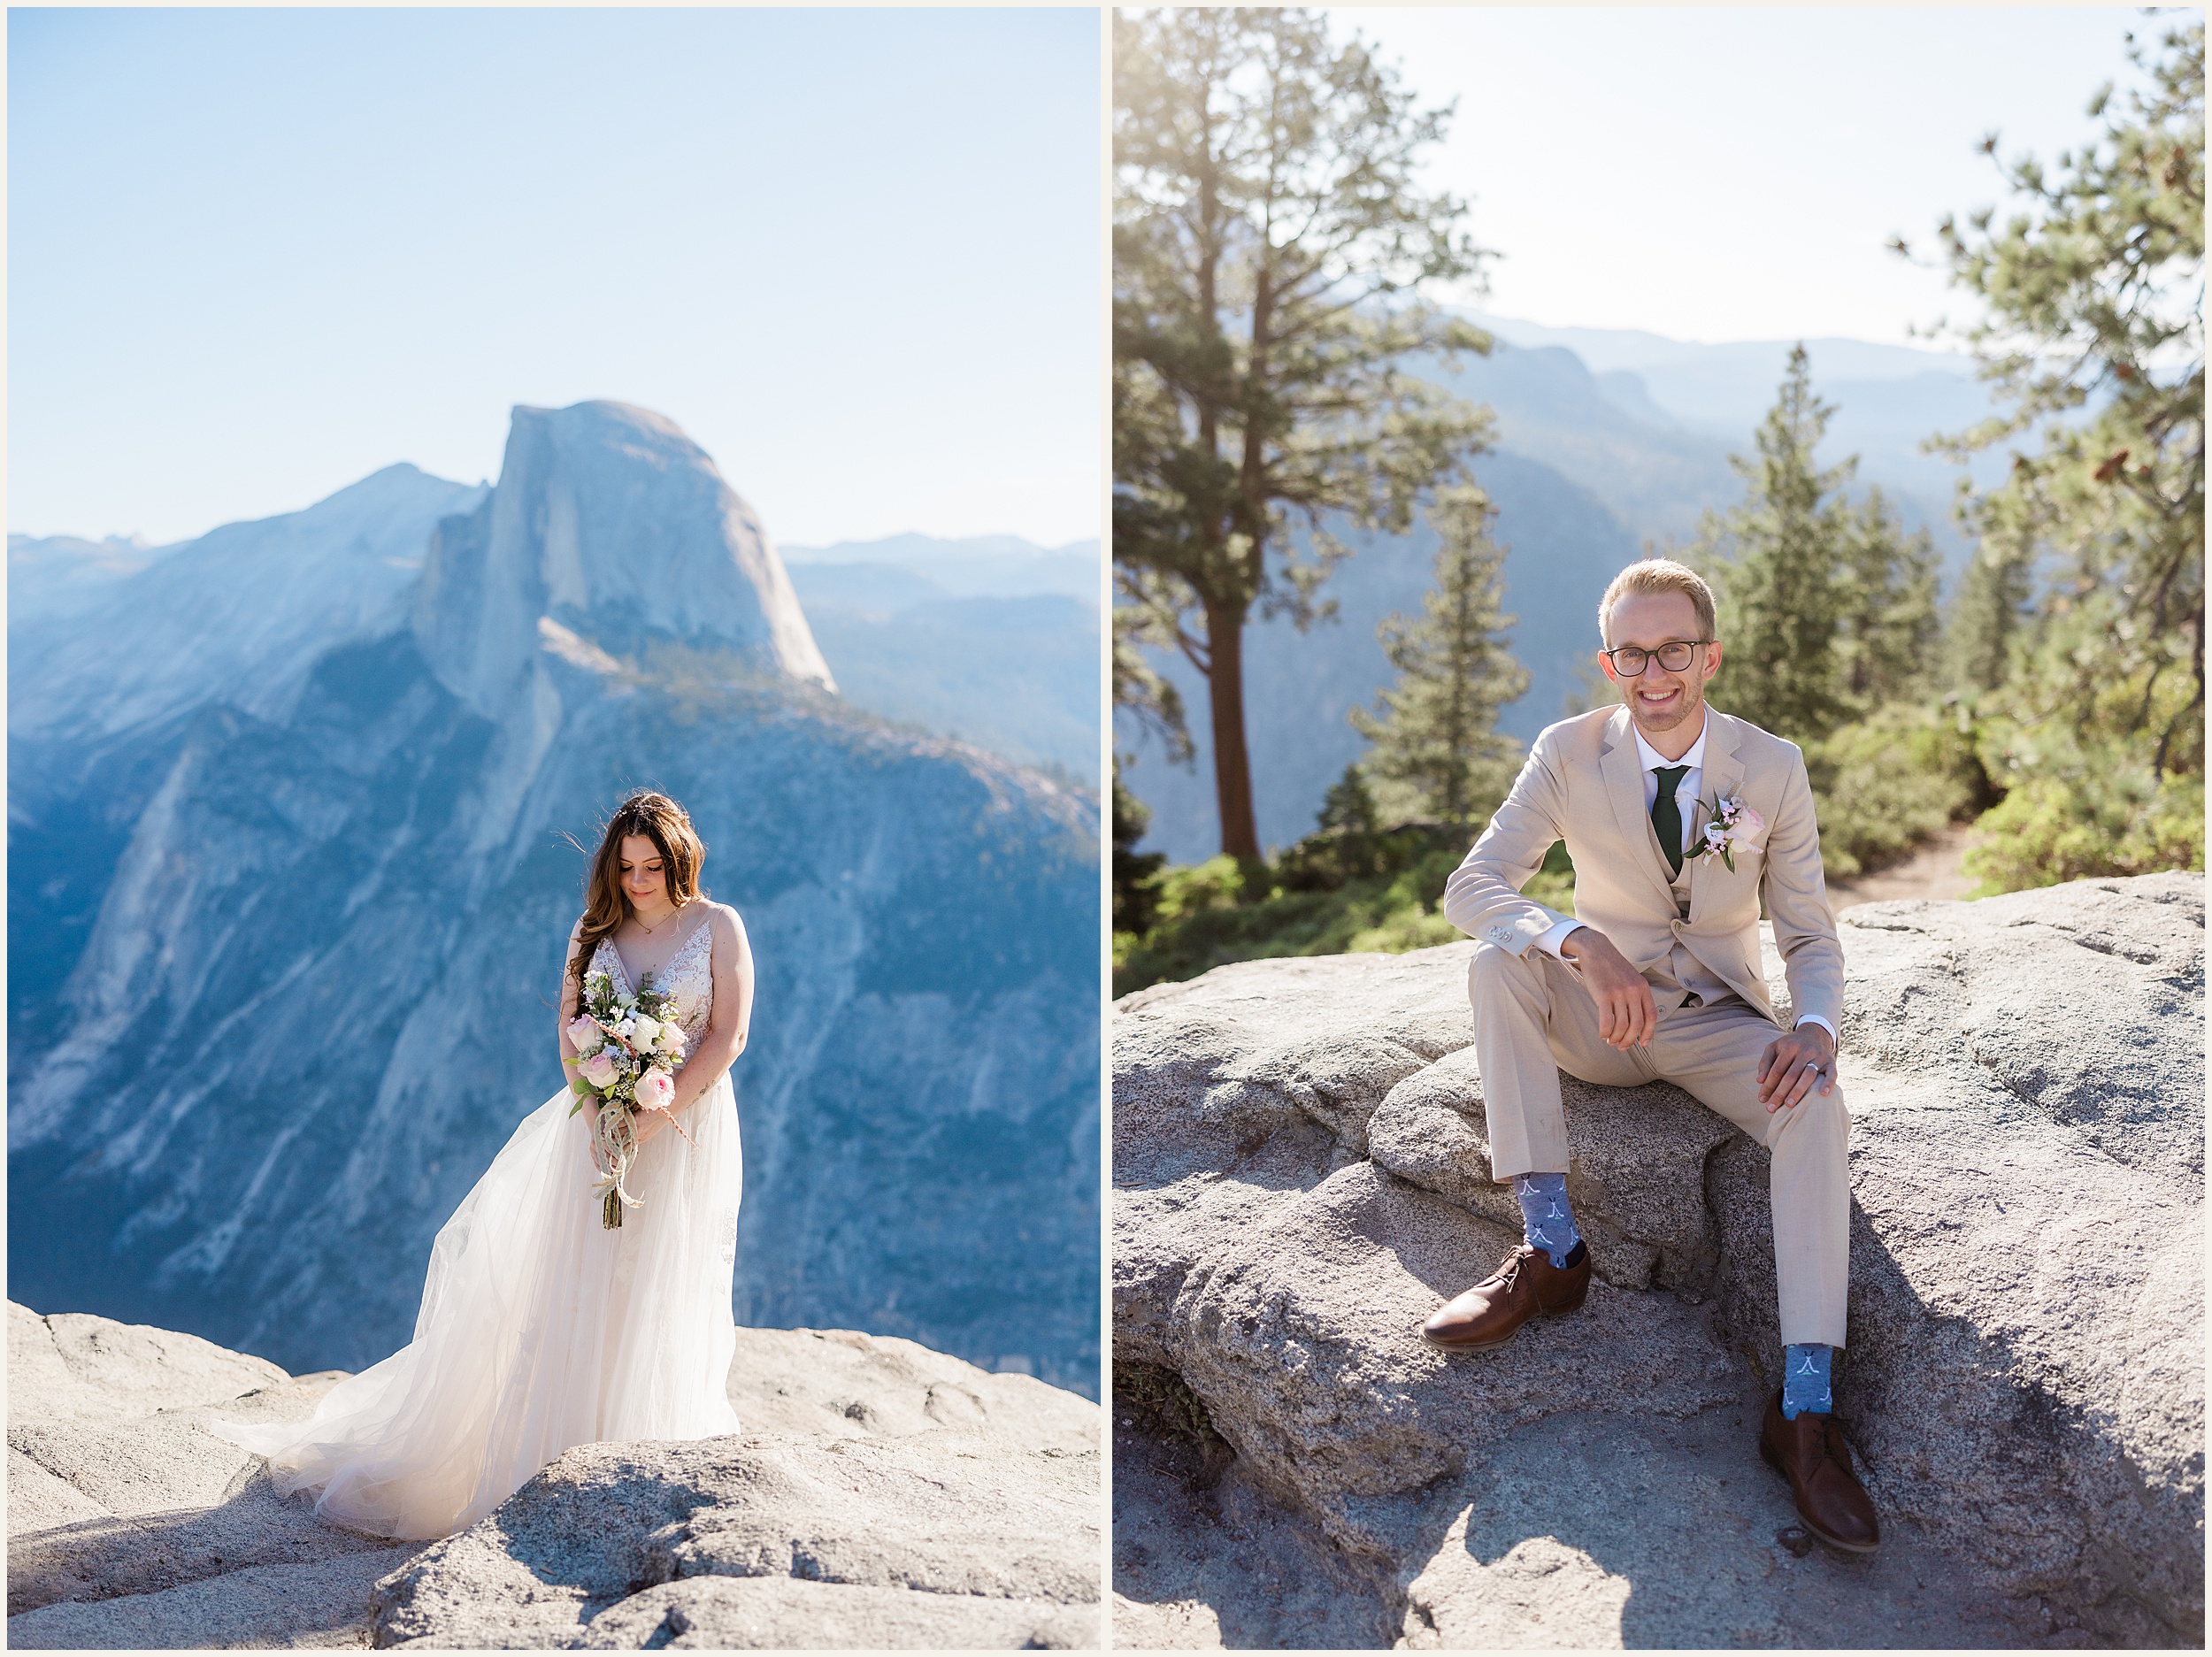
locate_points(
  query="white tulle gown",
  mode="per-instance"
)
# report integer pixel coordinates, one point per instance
(541, 1328)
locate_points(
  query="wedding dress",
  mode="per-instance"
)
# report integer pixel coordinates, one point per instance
(540, 1328)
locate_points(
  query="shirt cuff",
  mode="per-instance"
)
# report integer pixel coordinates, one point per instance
(1815, 1018)
(1550, 941)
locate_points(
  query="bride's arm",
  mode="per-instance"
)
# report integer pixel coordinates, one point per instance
(570, 997)
(727, 1025)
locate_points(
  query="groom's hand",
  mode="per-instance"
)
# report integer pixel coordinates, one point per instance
(1790, 1067)
(1626, 1016)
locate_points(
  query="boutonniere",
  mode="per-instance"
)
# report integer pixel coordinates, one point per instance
(1730, 824)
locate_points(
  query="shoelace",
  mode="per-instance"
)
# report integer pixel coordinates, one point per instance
(1510, 1272)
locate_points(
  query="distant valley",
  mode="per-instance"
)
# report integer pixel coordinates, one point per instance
(989, 639)
(1607, 443)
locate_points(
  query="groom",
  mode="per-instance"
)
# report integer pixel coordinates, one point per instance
(1657, 977)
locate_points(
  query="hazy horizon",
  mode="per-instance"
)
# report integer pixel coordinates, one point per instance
(817, 543)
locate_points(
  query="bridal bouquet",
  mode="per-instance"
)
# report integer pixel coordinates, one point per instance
(627, 1048)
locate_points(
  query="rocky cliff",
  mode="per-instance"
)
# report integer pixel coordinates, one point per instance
(1301, 1174)
(286, 936)
(880, 1495)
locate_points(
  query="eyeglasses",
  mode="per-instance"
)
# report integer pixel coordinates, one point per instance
(1674, 655)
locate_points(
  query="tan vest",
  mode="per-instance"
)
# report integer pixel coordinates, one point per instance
(1583, 784)
(1681, 972)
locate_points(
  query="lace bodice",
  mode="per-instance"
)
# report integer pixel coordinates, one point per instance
(688, 976)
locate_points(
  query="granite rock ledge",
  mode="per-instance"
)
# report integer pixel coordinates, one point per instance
(881, 1495)
(1300, 1171)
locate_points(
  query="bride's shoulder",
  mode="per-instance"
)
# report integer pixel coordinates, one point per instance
(722, 921)
(721, 917)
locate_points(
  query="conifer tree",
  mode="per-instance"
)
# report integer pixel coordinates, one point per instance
(1828, 610)
(1437, 750)
(1348, 807)
(2093, 710)
(1132, 897)
(1986, 617)
(1271, 247)
(1152, 700)
(1891, 624)
(1776, 561)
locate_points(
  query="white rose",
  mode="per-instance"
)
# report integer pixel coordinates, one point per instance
(645, 1031)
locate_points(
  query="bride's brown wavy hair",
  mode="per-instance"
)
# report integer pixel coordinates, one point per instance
(606, 905)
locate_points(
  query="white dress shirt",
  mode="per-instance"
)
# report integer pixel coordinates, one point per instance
(1685, 793)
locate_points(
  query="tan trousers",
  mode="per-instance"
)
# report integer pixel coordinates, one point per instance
(1534, 1018)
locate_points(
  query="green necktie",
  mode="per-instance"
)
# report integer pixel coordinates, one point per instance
(1666, 815)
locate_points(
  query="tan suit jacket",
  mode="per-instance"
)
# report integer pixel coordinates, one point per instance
(1583, 784)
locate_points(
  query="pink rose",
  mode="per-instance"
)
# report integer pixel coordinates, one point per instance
(655, 1090)
(584, 1035)
(599, 1070)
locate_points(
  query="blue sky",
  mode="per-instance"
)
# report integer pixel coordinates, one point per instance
(254, 255)
(1732, 172)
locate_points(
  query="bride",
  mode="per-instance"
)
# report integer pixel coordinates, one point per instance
(541, 1328)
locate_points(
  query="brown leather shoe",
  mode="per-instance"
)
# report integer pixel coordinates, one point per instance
(1810, 1453)
(1527, 1286)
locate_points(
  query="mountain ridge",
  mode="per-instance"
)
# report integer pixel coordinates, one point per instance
(1588, 470)
(285, 962)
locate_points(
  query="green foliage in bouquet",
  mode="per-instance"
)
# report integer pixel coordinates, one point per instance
(607, 1008)
(616, 1050)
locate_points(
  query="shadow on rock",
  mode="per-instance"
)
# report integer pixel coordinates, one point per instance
(888, 1496)
(1301, 1172)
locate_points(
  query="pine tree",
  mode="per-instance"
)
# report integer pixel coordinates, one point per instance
(2092, 710)
(1154, 703)
(1777, 561)
(1133, 897)
(1348, 807)
(1828, 610)
(1892, 623)
(1991, 605)
(1271, 247)
(1437, 750)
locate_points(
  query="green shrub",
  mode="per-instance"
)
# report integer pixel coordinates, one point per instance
(1341, 890)
(1133, 870)
(2050, 829)
(1886, 783)
(1183, 890)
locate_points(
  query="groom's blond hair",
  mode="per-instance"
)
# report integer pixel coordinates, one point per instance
(1657, 575)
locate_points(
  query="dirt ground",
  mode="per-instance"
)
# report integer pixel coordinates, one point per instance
(1930, 872)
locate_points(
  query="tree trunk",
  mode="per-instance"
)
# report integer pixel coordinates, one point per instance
(1233, 761)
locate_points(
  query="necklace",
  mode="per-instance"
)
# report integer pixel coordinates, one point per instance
(665, 919)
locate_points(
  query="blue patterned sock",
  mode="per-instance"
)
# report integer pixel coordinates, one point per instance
(1547, 1221)
(1805, 1380)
